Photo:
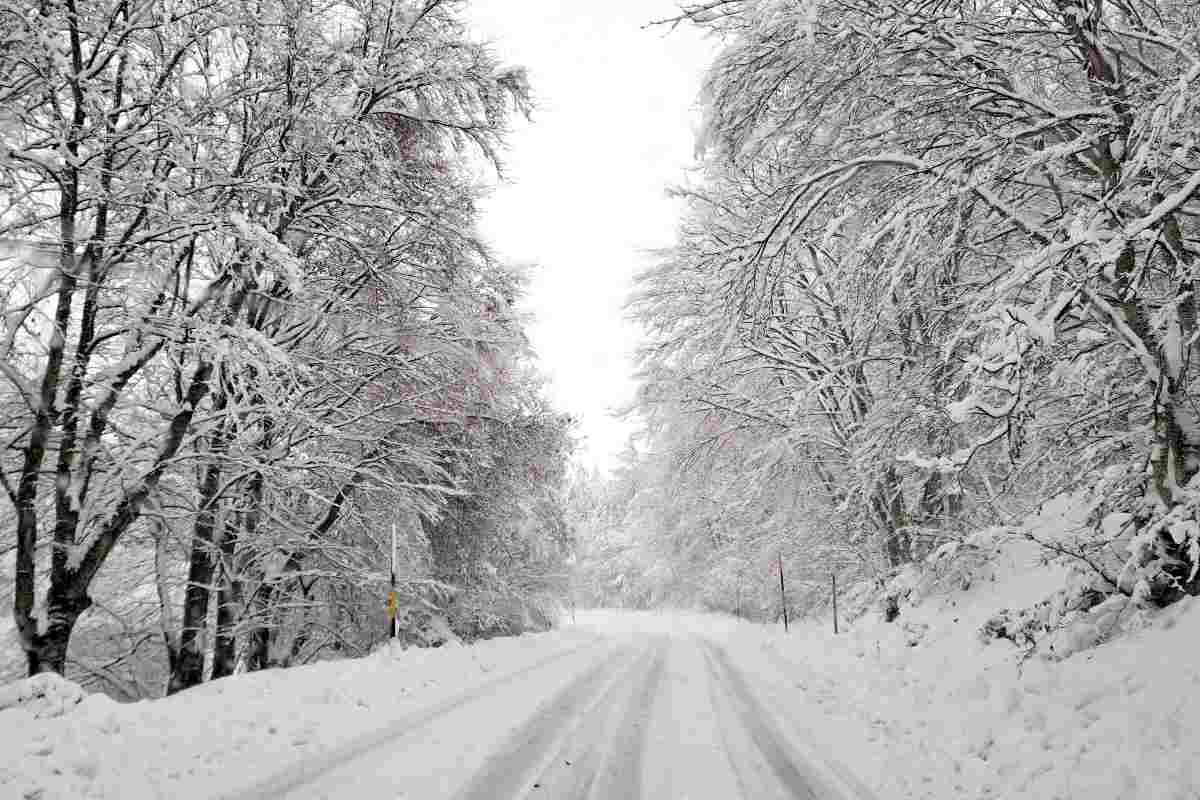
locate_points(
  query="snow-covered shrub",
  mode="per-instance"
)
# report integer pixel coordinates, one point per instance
(46, 695)
(1135, 544)
(484, 615)
(1021, 627)
(860, 598)
(1084, 629)
(891, 607)
(914, 632)
(1074, 618)
(419, 626)
(953, 566)
(423, 618)
(958, 564)
(1164, 553)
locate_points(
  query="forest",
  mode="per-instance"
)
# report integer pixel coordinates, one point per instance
(938, 267)
(250, 334)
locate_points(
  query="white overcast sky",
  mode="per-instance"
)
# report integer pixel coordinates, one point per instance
(585, 196)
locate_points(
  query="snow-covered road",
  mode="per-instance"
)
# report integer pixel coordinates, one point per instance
(629, 715)
(649, 704)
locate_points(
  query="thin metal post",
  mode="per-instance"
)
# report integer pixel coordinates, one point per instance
(833, 581)
(783, 594)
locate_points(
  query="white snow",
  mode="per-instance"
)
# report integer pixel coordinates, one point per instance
(42, 696)
(224, 736)
(931, 711)
(919, 708)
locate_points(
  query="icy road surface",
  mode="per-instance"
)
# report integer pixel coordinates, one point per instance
(630, 715)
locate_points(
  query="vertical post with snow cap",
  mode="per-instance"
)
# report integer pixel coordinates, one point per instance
(833, 583)
(782, 594)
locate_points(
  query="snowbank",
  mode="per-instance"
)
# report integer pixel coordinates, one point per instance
(228, 734)
(931, 710)
(42, 696)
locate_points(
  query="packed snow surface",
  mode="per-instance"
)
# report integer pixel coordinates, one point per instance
(930, 710)
(230, 734)
(680, 705)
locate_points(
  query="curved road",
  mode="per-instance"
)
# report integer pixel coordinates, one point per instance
(638, 717)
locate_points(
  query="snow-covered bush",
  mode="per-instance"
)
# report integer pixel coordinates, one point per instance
(484, 615)
(45, 695)
(1071, 619)
(1164, 553)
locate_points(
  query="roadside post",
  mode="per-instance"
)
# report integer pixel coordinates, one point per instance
(833, 582)
(783, 594)
(393, 605)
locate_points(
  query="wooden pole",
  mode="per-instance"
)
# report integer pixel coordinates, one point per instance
(783, 594)
(393, 600)
(833, 581)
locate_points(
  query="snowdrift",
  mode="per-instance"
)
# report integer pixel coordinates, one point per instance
(1104, 706)
(215, 739)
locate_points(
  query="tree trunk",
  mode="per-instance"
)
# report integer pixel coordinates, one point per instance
(1173, 460)
(241, 529)
(64, 607)
(1170, 470)
(228, 599)
(67, 598)
(259, 645)
(299, 641)
(263, 634)
(889, 510)
(189, 666)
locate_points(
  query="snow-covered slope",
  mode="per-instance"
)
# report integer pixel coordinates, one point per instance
(936, 711)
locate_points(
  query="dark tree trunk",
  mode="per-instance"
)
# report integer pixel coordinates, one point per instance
(189, 666)
(298, 643)
(258, 654)
(228, 599)
(893, 519)
(262, 633)
(49, 650)
(225, 647)
(67, 598)
(240, 530)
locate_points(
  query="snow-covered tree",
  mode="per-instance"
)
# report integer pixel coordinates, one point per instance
(941, 264)
(248, 324)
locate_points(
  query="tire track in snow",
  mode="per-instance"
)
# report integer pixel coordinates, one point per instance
(603, 757)
(631, 737)
(785, 685)
(305, 772)
(793, 776)
(586, 741)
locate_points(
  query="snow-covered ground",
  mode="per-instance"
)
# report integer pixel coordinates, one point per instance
(931, 710)
(696, 705)
(231, 735)
(620, 705)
